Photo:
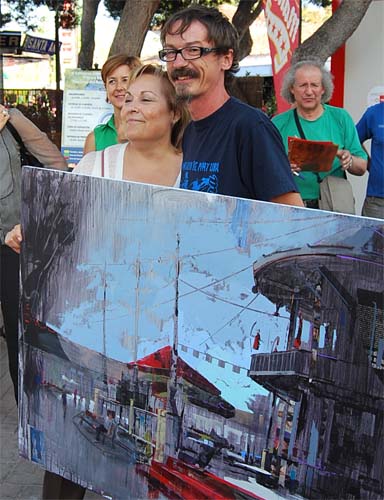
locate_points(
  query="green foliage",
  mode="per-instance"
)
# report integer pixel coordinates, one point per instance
(4, 19)
(166, 8)
(22, 11)
(319, 3)
(269, 98)
(270, 106)
(114, 7)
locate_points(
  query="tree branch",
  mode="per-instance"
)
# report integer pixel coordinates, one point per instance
(135, 19)
(334, 32)
(88, 33)
(246, 13)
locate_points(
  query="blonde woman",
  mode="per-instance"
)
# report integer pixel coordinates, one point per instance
(152, 122)
(115, 74)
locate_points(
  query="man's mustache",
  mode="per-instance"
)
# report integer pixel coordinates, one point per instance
(177, 73)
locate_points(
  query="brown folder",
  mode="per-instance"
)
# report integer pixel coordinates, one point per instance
(313, 156)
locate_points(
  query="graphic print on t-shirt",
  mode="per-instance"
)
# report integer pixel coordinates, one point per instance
(194, 176)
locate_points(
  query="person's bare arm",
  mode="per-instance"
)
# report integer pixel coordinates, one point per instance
(289, 199)
(89, 144)
(355, 165)
(359, 166)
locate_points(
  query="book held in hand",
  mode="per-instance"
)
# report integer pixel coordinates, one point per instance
(312, 156)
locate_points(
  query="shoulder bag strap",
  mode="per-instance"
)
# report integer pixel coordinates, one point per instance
(16, 136)
(25, 154)
(298, 124)
(102, 163)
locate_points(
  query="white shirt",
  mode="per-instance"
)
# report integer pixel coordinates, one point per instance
(90, 164)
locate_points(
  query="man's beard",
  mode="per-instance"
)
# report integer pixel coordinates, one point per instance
(183, 94)
(182, 91)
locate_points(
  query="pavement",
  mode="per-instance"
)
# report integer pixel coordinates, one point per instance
(19, 478)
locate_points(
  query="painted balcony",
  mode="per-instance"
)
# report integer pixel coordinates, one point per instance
(292, 372)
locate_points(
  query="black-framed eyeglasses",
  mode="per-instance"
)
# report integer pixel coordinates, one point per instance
(187, 53)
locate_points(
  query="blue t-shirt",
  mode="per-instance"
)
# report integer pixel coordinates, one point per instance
(236, 151)
(371, 126)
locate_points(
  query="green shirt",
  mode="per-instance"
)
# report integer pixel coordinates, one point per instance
(105, 134)
(335, 125)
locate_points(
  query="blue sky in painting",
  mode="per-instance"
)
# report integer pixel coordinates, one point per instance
(133, 272)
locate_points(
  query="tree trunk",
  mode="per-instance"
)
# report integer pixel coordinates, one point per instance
(133, 26)
(334, 32)
(246, 13)
(88, 33)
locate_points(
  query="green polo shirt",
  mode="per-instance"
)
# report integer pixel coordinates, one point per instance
(335, 125)
(105, 134)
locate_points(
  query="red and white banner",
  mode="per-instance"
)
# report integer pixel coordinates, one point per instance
(283, 25)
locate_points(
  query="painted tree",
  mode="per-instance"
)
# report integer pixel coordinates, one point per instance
(56, 228)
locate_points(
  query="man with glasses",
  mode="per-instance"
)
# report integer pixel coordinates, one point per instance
(229, 147)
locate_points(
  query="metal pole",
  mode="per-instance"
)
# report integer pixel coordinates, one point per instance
(300, 20)
(57, 68)
(1, 78)
(137, 304)
(373, 329)
(105, 376)
(57, 48)
(1, 70)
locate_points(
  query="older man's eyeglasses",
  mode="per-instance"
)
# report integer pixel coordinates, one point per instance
(187, 53)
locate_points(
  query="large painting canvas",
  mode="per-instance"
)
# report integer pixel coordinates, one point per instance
(187, 345)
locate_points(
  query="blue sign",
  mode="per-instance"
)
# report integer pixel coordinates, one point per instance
(39, 45)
